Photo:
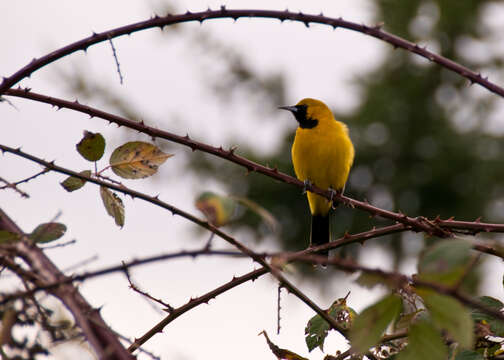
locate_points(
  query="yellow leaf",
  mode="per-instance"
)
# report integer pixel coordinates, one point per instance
(137, 159)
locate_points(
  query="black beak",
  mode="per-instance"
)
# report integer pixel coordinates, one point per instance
(292, 109)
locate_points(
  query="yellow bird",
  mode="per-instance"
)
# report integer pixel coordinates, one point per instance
(322, 154)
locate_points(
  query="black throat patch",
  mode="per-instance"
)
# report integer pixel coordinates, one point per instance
(304, 121)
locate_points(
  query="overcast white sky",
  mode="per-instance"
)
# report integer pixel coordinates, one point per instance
(162, 79)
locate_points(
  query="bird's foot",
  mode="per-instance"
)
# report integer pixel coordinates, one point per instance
(332, 192)
(306, 184)
(331, 197)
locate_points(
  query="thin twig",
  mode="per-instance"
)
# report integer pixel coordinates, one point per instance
(192, 303)
(88, 275)
(81, 263)
(65, 244)
(361, 237)
(135, 288)
(279, 294)
(13, 186)
(118, 66)
(208, 245)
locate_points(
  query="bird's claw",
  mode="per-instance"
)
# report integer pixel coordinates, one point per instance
(333, 193)
(306, 184)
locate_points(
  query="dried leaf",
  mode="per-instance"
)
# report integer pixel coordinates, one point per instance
(281, 354)
(113, 205)
(137, 159)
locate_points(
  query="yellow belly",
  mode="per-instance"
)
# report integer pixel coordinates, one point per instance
(324, 157)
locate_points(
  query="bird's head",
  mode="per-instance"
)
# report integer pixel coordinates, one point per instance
(309, 112)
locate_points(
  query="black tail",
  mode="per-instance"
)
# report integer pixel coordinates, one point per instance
(320, 232)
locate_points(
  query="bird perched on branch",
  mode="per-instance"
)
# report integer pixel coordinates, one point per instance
(322, 154)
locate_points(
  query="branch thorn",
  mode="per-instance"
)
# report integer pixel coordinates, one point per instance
(232, 149)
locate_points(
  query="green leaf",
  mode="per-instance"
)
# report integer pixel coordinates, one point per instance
(496, 325)
(7, 236)
(424, 342)
(370, 280)
(137, 159)
(317, 328)
(316, 331)
(92, 146)
(469, 355)
(370, 325)
(405, 320)
(445, 262)
(450, 315)
(48, 232)
(73, 183)
(218, 210)
(113, 205)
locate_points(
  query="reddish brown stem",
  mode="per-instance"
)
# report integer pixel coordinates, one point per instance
(437, 227)
(100, 337)
(157, 21)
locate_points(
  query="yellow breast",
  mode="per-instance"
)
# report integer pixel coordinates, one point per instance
(323, 155)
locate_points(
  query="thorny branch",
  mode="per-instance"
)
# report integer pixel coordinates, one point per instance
(108, 270)
(174, 313)
(15, 184)
(207, 225)
(259, 258)
(400, 280)
(245, 250)
(437, 226)
(192, 303)
(135, 288)
(162, 21)
(43, 271)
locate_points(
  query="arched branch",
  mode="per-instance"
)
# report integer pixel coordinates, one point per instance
(157, 21)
